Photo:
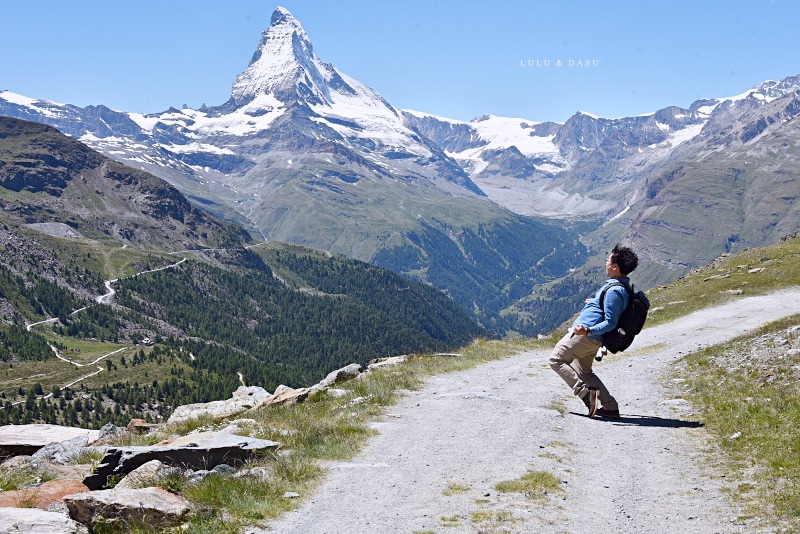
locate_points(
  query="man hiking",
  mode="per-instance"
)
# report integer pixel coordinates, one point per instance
(573, 356)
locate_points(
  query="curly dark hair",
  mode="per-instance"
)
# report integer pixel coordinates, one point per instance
(625, 258)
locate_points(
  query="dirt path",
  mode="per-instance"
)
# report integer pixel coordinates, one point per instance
(646, 473)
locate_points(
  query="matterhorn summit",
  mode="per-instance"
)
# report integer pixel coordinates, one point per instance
(284, 66)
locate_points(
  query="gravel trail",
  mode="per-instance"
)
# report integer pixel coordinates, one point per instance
(649, 472)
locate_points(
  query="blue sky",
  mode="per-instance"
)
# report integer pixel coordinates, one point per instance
(458, 59)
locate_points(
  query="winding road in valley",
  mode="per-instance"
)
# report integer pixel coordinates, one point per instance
(105, 298)
(440, 452)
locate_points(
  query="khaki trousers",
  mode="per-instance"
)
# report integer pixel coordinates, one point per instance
(572, 359)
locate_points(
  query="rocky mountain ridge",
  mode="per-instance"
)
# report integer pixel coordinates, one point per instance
(302, 153)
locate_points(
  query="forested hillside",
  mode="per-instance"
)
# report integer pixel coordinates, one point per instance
(119, 299)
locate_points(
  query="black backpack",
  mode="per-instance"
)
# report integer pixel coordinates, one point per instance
(630, 321)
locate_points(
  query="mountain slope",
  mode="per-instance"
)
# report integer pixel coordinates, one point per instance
(97, 258)
(56, 184)
(681, 185)
(301, 153)
(736, 187)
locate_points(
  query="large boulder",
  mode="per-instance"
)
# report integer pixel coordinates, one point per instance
(284, 395)
(243, 399)
(153, 507)
(16, 440)
(63, 452)
(341, 375)
(35, 521)
(196, 451)
(142, 476)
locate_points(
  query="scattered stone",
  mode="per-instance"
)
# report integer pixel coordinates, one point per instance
(243, 399)
(338, 393)
(377, 363)
(41, 496)
(284, 395)
(341, 375)
(732, 291)
(61, 452)
(755, 270)
(725, 275)
(223, 469)
(18, 440)
(110, 430)
(35, 521)
(140, 426)
(257, 472)
(291, 495)
(239, 426)
(154, 507)
(142, 476)
(204, 450)
(735, 435)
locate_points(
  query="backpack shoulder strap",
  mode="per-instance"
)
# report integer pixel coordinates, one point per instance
(609, 286)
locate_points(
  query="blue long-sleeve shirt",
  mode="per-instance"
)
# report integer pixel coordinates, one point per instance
(615, 301)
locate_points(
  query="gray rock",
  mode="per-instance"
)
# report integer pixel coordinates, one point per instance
(223, 469)
(204, 451)
(377, 363)
(341, 375)
(243, 399)
(255, 472)
(18, 440)
(60, 452)
(111, 430)
(154, 507)
(35, 521)
(142, 476)
(285, 395)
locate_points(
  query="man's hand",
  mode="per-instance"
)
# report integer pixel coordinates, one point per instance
(581, 330)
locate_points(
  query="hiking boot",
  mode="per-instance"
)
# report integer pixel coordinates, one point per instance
(608, 414)
(590, 400)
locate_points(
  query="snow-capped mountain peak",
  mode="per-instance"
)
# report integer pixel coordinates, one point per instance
(286, 67)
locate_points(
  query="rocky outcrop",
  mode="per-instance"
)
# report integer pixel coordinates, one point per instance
(131, 470)
(204, 450)
(340, 375)
(34, 521)
(243, 399)
(18, 440)
(153, 507)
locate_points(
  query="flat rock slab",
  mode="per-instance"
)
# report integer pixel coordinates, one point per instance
(196, 451)
(34, 521)
(16, 440)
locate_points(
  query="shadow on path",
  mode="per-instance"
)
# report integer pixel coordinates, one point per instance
(647, 420)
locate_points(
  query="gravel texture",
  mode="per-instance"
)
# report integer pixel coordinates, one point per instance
(652, 471)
